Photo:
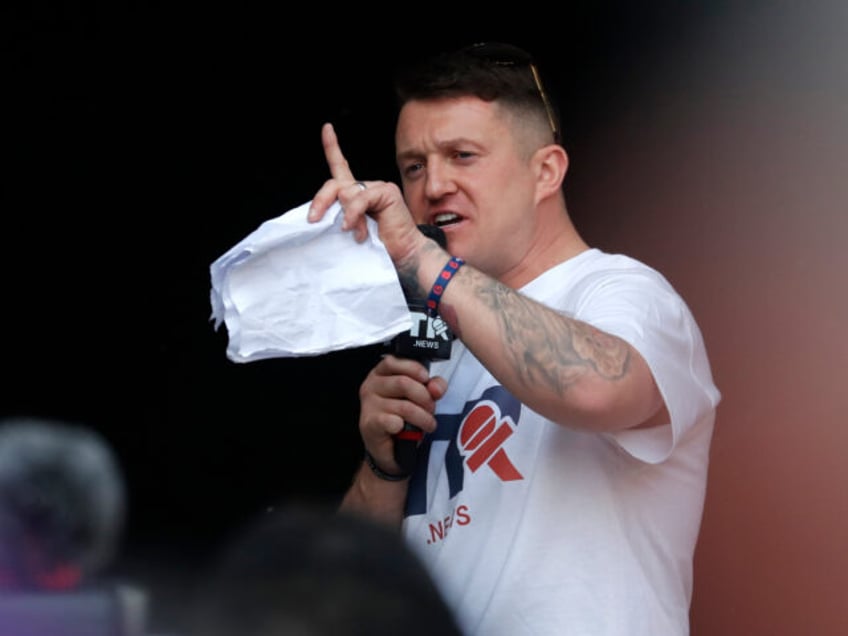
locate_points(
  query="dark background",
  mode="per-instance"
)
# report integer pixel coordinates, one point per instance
(142, 140)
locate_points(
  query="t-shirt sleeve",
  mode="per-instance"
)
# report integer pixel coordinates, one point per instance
(641, 307)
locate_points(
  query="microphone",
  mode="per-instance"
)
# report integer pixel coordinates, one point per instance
(428, 339)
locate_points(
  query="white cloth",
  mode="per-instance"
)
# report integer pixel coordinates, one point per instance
(294, 288)
(532, 528)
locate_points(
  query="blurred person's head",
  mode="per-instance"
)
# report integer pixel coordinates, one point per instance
(307, 570)
(62, 504)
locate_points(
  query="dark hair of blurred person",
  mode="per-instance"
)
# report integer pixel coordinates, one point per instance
(304, 569)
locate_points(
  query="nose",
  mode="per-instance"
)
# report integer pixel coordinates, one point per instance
(438, 182)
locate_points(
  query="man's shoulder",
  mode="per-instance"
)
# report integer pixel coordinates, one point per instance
(596, 264)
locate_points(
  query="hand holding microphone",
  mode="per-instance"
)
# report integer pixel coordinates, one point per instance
(428, 339)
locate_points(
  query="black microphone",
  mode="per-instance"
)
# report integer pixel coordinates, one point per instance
(428, 339)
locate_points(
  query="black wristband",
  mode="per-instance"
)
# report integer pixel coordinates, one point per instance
(380, 472)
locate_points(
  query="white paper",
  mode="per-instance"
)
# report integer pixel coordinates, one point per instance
(294, 288)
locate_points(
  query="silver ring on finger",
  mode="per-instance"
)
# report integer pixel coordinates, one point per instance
(361, 184)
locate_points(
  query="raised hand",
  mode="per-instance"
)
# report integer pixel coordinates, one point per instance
(381, 200)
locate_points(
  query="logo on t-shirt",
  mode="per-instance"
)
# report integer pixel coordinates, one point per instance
(475, 437)
(481, 436)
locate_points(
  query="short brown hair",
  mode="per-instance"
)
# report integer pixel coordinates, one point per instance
(491, 71)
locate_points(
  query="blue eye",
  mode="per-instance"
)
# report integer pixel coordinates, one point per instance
(413, 168)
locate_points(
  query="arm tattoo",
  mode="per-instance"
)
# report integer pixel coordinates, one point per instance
(408, 274)
(408, 277)
(547, 347)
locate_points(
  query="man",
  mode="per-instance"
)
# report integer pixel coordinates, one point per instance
(559, 487)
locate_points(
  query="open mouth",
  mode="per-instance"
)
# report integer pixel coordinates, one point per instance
(446, 218)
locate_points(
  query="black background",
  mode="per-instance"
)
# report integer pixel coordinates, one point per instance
(143, 141)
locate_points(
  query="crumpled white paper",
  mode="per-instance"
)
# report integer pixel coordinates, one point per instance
(293, 288)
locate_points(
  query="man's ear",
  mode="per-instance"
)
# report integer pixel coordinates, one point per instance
(551, 163)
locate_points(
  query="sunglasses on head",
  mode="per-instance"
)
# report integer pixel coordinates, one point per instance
(501, 54)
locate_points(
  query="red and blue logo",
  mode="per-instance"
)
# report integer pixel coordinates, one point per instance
(475, 437)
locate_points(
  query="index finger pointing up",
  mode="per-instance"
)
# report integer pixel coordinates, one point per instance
(339, 167)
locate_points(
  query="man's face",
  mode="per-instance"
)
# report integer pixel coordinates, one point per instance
(462, 170)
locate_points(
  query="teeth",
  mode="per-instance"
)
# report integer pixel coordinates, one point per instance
(442, 219)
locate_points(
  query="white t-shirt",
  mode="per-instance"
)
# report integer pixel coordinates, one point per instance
(529, 527)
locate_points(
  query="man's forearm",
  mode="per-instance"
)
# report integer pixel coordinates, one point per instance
(565, 369)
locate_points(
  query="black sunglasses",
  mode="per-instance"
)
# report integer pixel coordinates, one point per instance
(501, 54)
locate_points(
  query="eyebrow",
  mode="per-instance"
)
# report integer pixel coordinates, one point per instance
(442, 145)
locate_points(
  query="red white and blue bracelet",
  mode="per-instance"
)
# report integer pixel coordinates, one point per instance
(442, 280)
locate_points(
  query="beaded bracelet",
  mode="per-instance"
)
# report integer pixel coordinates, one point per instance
(382, 474)
(442, 280)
